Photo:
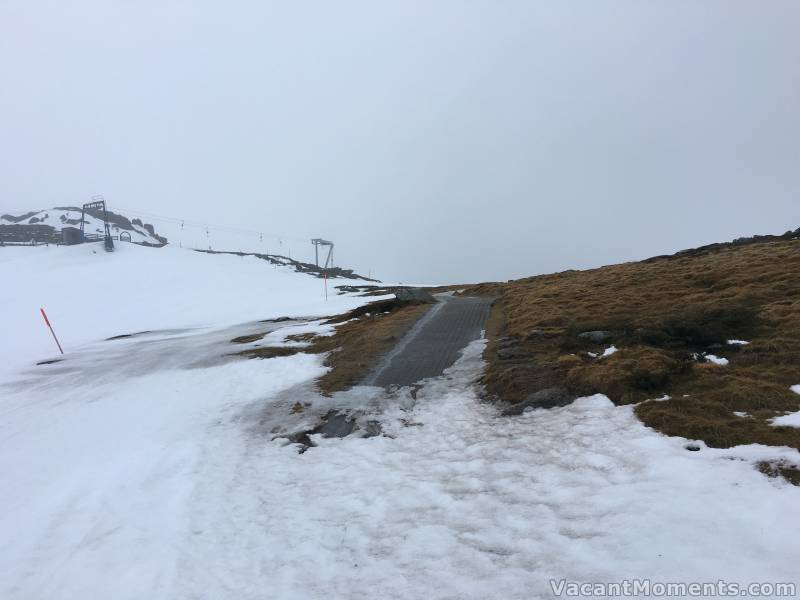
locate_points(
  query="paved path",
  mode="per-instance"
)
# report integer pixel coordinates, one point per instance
(434, 343)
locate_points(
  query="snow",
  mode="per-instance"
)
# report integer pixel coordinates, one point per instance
(158, 466)
(740, 413)
(788, 420)
(57, 218)
(663, 398)
(99, 475)
(90, 294)
(607, 352)
(153, 473)
(795, 388)
(738, 342)
(704, 357)
(717, 360)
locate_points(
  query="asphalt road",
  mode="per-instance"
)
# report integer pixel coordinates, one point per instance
(434, 343)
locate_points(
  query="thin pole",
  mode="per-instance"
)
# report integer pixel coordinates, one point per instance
(326, 286)
(47, 321)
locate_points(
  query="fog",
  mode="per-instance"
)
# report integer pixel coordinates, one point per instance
(431, 141)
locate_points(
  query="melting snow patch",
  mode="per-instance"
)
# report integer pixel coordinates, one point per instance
(738, 342)
(717, 360)
(790, 420)
(740, 413)
(795, 388)
(663, 398)
(609, 351)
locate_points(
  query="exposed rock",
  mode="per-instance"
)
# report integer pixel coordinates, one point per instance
(546, 398)
(595, 336)
(507, 342)
(300, 267)
(339, 425)
(511, 354)
(414, 294)
(372, 429)
(277, 320)
(20, 218)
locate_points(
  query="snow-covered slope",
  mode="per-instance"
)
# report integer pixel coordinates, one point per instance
(45, 226)
(157, 466)
(61, 217)
(139, 468)
(90, 294)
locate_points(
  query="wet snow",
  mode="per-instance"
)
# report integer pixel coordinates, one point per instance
(90, 294)
(159, 465)
(164, 480)
(788, 420)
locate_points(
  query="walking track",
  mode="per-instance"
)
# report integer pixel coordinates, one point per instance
(434, 343)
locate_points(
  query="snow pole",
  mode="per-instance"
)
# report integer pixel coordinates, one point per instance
(47, 321)
(326, 286)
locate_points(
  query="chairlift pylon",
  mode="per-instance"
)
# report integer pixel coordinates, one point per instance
(98, 203)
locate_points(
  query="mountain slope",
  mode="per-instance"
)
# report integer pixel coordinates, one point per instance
(46, 226)
(90, 294)
(714, 333)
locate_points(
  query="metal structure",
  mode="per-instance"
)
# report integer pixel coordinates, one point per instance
(71, 236)
(98, 203)
(329, 259)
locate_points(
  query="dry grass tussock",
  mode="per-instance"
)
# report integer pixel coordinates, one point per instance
(661, 314)
(362, 337)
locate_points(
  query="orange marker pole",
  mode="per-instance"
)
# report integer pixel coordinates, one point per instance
(47, 321)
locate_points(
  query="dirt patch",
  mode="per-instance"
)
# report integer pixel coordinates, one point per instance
(363, 335)
(780, 469)
(664, 315)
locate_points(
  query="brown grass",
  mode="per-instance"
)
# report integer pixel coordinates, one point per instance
(659, 312)
(358, 344)
(780, 469)
(363, 336)
(270, 352)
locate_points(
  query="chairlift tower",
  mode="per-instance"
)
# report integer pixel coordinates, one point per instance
(99, 203)
(329, 259)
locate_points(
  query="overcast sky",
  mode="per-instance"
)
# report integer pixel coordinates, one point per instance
(431, 141)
